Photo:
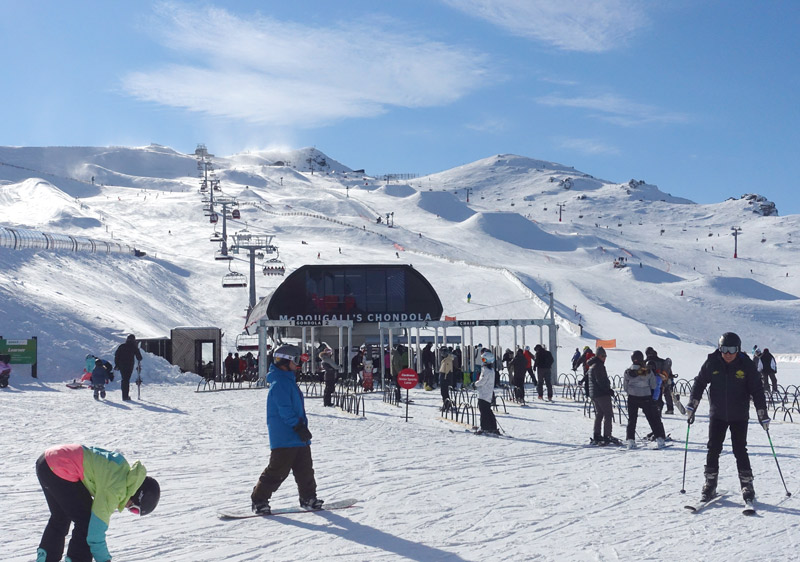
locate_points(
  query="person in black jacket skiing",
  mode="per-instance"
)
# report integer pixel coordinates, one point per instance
(734, 381)
(123, 361)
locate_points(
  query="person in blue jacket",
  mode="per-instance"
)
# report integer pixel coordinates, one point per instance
(289, 437)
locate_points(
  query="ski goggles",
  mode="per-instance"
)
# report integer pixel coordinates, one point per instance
(134, 509)
(729, 349)
(296, 359)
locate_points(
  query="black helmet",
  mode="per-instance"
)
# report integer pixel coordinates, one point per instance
(637, 357)
(286, 353)
(147, 496)
(650, 352)
(730, 340)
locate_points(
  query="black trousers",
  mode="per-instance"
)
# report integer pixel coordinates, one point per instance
(544, 379)
(69, 502)
(529, 370)
(650, 409)
(125, 383)
(327, 397)
(281, 462)
(766, 378)
(717, 429)
(488, 421)
(519, 386)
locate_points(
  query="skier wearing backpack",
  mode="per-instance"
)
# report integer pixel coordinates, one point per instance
(734, 382)
(639, 383)
(766, 365)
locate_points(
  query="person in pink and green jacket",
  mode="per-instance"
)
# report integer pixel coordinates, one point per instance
(84, 486)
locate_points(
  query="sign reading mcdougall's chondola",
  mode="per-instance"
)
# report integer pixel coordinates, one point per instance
(316, 294)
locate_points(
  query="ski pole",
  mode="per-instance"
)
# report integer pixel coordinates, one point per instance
(686, 454)
(788, 493)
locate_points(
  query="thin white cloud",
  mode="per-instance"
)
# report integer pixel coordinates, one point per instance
(572, 25)
(588, 146)
(616, 109)
(488, 125)
(261, 70)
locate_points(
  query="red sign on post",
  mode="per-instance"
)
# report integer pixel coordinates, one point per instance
(407, 378)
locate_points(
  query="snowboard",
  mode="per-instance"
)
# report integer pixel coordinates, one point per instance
(76, 384)
(341, 504)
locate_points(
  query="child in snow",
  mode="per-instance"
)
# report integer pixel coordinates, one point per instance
(84, 486)
(99, 379)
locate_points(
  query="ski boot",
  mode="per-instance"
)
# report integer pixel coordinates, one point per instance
(660, 443)
(597, 441)
(261, 507)
(746, 480)
(630, 444)
(611, 440)
(710, 486)
(311, 503)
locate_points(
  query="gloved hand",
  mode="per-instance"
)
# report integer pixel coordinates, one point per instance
(302, 431)
(691, 408)
(763, 419)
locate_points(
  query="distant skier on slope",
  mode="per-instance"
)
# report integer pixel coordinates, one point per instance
(734, 382)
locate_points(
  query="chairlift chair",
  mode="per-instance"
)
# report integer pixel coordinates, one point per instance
(219, 256)
(234, 280)
(213, 218)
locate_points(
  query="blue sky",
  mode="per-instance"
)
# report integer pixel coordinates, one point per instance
(699, 97)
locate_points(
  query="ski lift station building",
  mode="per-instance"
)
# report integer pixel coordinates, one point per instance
(367, 300)
(316, 295)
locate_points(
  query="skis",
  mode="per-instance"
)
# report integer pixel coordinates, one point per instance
(478, 431)
(341, 504)
(676, 400)
(697, 508)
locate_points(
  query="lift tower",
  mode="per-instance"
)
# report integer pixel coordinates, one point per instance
(253, 243)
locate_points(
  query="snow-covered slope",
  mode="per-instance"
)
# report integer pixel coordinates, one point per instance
(679, 254)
